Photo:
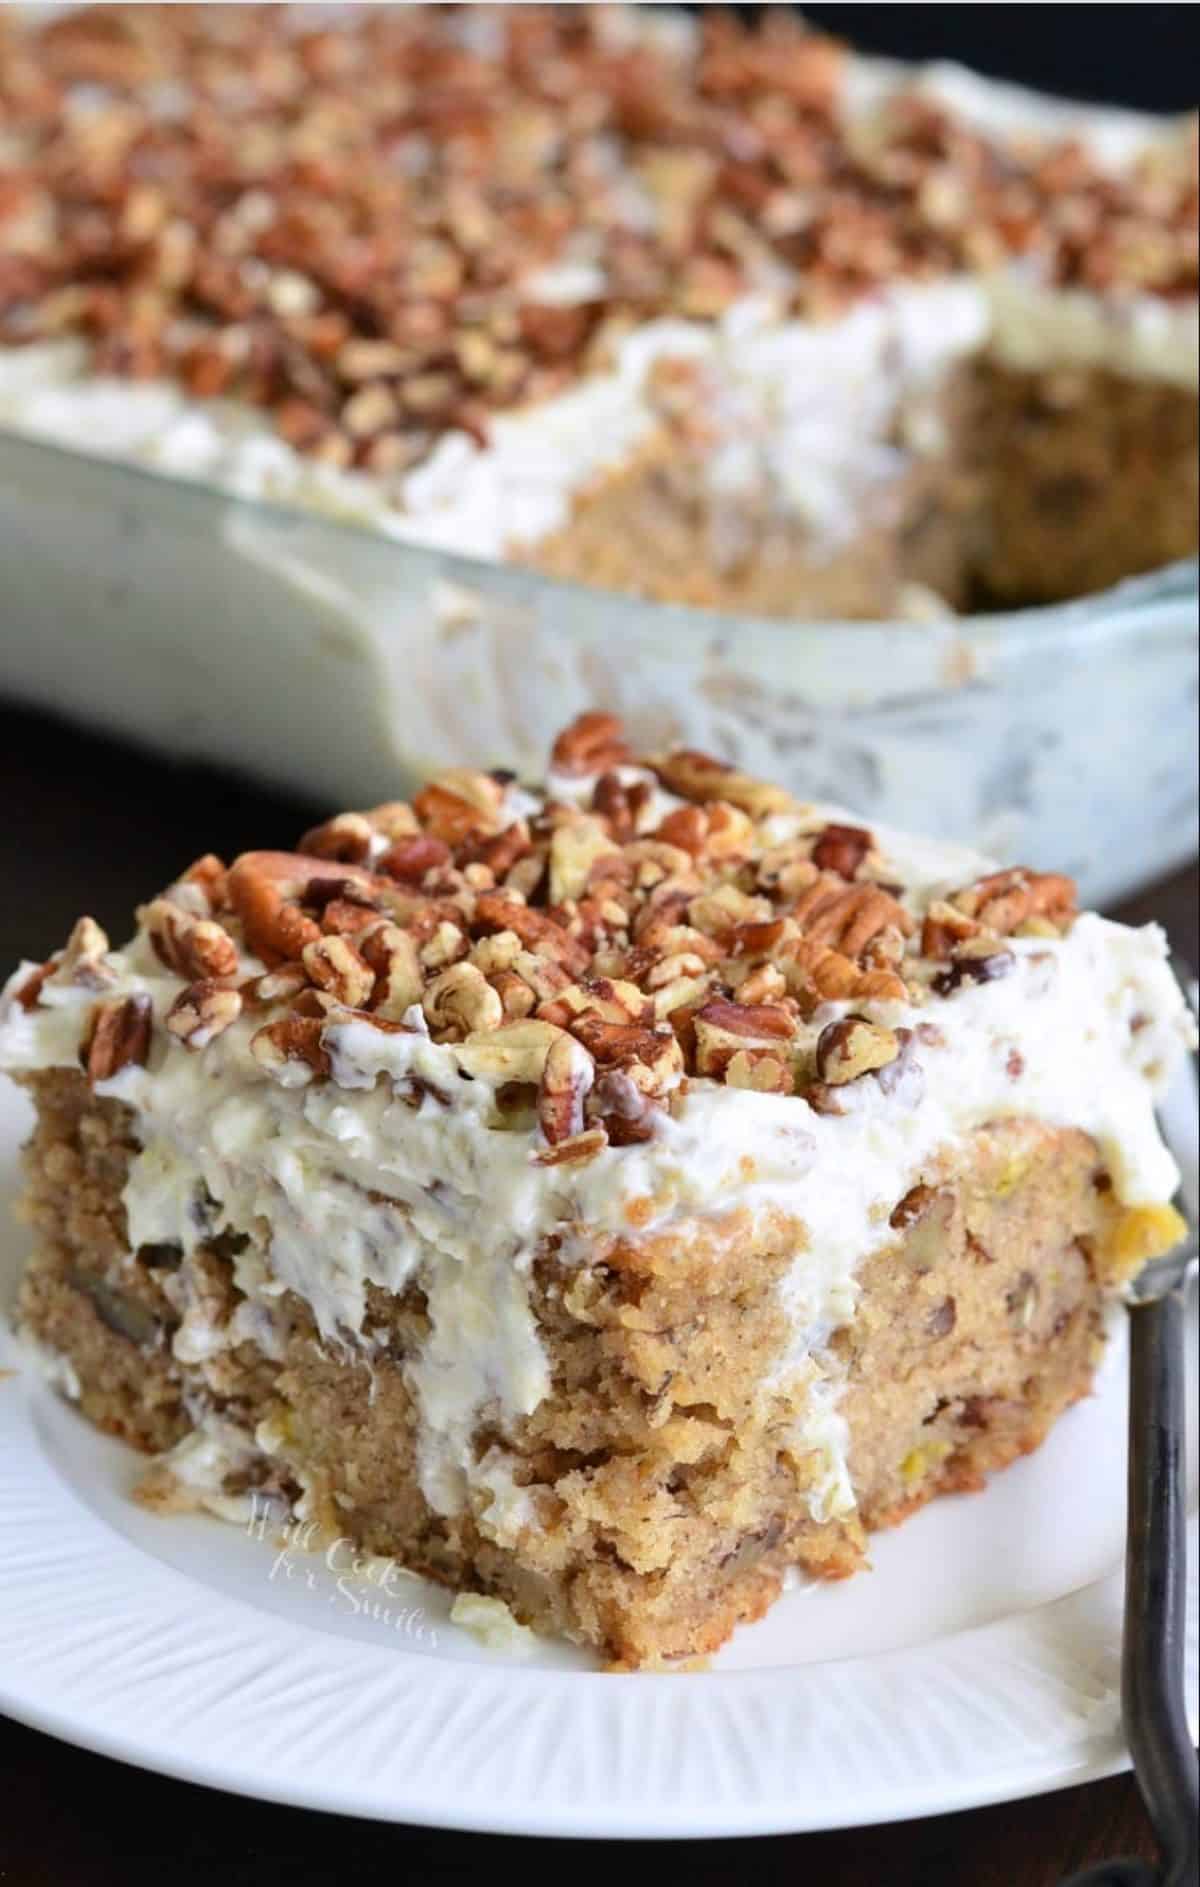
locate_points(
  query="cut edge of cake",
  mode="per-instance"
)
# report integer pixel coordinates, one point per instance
(602, 1196)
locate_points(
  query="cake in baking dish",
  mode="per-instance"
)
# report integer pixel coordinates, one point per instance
(603, 1196)
(717, 314)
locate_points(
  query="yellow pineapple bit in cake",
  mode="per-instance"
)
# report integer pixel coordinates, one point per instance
(1140, 1234)
(920, 1462)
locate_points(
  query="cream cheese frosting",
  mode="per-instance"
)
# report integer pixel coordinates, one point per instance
(344, 1184)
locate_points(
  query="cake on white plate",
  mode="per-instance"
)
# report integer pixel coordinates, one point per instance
(716, 314)
(602, 1197)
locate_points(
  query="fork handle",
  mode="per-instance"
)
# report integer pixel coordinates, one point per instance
(1152, 1681)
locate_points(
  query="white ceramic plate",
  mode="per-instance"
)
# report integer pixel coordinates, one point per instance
(977, 1662)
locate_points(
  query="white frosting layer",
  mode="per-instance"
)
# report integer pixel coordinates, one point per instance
(373, 1178)
(802, 413)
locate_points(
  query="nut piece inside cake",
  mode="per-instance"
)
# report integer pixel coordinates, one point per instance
(601, 1196)
(716, 314)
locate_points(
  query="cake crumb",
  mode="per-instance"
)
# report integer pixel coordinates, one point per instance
(492, 1624)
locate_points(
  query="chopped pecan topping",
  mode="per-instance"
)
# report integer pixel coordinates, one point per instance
(347, 837)
(594, 743)
(620, 806)
(410, 858)
(986, 967)
(194, 947)
(846, 917)
(202, 1012)
(336, 967)
(698, 776)
(291, 1050)
(853, 1047)
(944, 928)
(267, 890)
(567, 1076)
(461, 1002)
(118, 1036)
(1007, 900)
(571, 956)
(841, 849)
(337, 224)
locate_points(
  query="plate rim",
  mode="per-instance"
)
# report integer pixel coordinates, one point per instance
(513, 1749)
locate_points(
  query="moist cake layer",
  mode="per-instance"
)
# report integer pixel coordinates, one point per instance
(454, 272)
(603, 1195)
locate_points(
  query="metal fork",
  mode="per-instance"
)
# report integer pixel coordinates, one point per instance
(1153, 1707)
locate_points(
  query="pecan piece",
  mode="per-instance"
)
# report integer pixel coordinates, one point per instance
(914, 1205)
(1005, 900)
(412, 856)
(461, 1002)
(118, 1036)
(686, 827)
(574, 850)
(346, 838)
(567, 1076)
(985, 967)
(841, 849)
(847, 917)
(202, 1012)
(698, 776)
(853, 1047)
(757, 1032)
(944, 928)
(392, 954)
(759, 1069)
(593, 743)
(291, 1050)
(538, 932)
(194, 947)
(336, 967)
(619, 805)
(817, 973)
(575, 1150)
(279, 985)
(651, 1058)
(266, 888)
(619, 1106)
(207, 874)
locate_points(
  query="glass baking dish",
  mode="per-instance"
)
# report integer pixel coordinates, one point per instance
(323, 656)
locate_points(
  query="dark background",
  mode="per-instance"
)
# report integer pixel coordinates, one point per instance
(91, 825)
(1129, 55)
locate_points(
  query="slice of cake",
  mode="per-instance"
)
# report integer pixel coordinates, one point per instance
(601, 1197)
(718, 314)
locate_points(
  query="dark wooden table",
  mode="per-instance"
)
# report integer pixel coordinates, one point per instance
(91, 826)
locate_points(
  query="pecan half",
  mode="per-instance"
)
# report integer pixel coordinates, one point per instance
(847, 917)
